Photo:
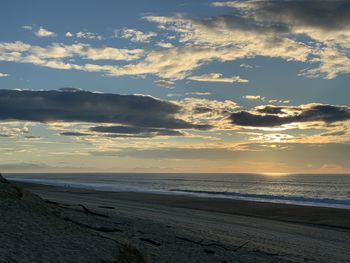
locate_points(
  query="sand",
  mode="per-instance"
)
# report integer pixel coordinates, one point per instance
(32, 230)
(165, 228)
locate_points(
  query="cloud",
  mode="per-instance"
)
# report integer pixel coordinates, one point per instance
(271, 116)
(73, 133)
(42, 32)
(70, 89)
(164, 83)
(297, 13)
(132, 131)
(252, 97)
(304, 31)
(58, 55)
(245, 66)
(88, 35)
(173, 63)
(170, 95)
(235, 34)
(69, 34)
(55, 106)
(325, 23)
(135, 35)
(27, 27)
(279, 101)
(13, 131)
(198, 93)
(109, 53)
(164, 44)
(203, 111)
(217, 77)
(288, 30)
(2, 75)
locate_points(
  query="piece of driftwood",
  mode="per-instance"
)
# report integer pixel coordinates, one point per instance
(87, 211)
(148, 240)
(100, 229)
(201, 242)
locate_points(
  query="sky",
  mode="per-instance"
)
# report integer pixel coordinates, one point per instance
(253, 86)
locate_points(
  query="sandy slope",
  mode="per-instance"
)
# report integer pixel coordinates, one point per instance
(164, 231)
(32, 230)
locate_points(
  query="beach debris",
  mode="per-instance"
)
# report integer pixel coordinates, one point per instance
(241, 246)
(100, 229)
(201, 242)
(107, 207)
(87, 211)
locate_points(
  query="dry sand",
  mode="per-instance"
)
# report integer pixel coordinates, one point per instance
(32, 230)
(187, 229)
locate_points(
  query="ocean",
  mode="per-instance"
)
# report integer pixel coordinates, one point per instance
(326, 190)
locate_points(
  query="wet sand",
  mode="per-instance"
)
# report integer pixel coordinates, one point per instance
(312, 215)
(168, 228)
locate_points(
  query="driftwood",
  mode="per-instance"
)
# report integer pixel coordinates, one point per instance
(87, 211)
(201, 243)
(100, 229)
(107, 207)
(239, 247)
(150, 241)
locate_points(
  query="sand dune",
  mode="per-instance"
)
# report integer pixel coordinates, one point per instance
(33, 230)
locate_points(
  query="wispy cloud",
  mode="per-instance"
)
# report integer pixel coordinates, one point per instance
(42, 32)
(27, 27)
(135, 35)
(217, 77)
(88, 35)
(57, 55)
(252, 97)
(164, 44)
(164, 83)
(2, 75)
(198, 93)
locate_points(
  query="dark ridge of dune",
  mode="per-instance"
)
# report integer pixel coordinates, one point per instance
(33, 230)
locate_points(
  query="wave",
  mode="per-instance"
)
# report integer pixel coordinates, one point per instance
(301, 200)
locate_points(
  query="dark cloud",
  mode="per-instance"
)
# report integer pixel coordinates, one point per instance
(244, 118)
(70, 89)
(307, 113)
(270, 109)
(326, 14)
(335, 133)
(79, 106)
(280, 17)
(123, 131)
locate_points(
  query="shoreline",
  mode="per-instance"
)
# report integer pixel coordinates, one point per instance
(265, 198)
(302, 214)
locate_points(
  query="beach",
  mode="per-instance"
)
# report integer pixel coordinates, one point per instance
(169, 228)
